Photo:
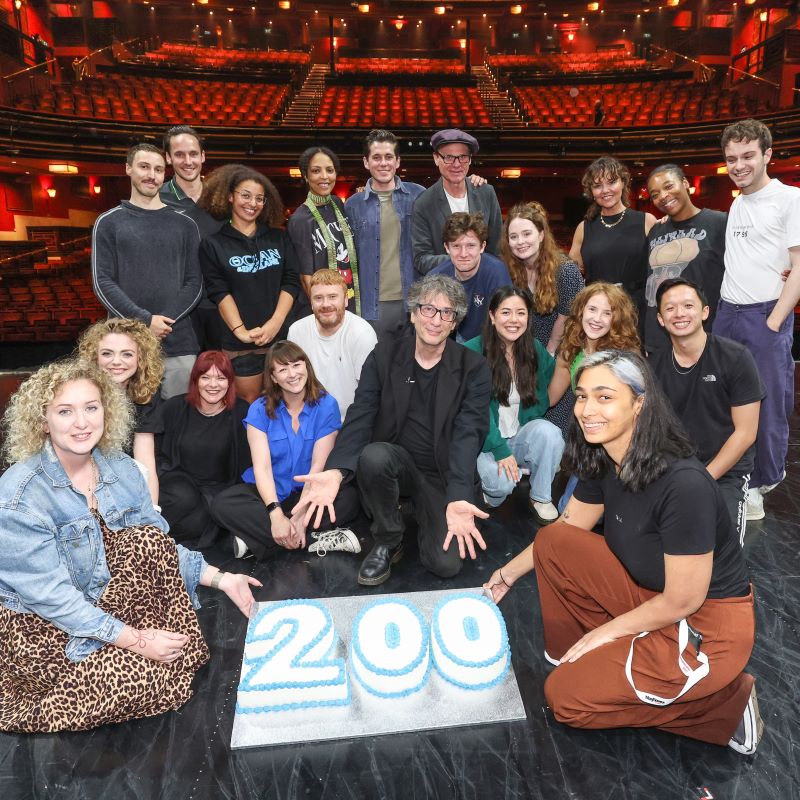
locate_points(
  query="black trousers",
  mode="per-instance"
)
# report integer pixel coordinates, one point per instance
(734, 492)
(187, 508)
(240, 510)
(386, 472)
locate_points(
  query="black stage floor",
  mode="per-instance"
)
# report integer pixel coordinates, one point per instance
(186, 754)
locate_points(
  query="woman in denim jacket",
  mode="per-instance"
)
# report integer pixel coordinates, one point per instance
(97, 619)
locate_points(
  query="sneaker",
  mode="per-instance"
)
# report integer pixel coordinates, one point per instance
(750, 728)
(545, 513)
(767, 489)
(342, 539)
(755, 505)
(240, 549)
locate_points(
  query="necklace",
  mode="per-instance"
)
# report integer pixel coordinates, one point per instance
(613, 224)
(213, 413)
(93, 484)
(679, 369)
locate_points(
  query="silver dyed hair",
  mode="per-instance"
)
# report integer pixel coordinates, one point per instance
(621, 364)
(423, 290)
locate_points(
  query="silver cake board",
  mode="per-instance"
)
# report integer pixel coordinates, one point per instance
(437, 705)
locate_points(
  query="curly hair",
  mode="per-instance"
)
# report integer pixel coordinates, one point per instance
(285, 352)
(747, 130)
(624, 333)
(609, 168)
(221, 183)
(145, 381)
(425, 289)
(24, 418)
(548, 261)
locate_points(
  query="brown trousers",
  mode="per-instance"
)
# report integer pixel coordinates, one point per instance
(582, 585)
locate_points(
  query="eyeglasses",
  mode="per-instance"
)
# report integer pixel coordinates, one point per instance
(447, 314)
(259, 199)
(463, 158)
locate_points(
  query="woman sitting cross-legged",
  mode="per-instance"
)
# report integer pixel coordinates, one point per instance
(203, 449)
(521, 371)
(97, 619)
(291, 430)
(650, 625)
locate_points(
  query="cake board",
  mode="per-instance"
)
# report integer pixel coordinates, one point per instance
(437, 705)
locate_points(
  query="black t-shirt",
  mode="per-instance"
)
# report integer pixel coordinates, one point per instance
(206, 446)
(693, 249)
(147, 418)
(703, 395)
(616, 252)
(416, 435)
(681, 513)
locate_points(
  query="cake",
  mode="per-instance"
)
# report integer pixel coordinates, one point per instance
(289, 662)
(390, 648)
(469, 642)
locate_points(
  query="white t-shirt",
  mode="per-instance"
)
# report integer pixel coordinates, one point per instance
(457, 203)
(337, 359)
(508, 416)
(761, 228)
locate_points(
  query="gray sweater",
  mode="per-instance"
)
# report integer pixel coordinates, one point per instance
(146, 262)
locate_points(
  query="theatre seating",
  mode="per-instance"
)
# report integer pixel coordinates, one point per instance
(402, 106)
(219, 58)
(427, 66)
(138, 98)
(632, 104)
(613, 61)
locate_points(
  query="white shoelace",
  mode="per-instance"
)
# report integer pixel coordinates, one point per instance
(329, 541)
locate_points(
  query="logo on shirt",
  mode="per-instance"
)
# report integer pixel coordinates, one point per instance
(618, 518)
(479, 300)
(710, 378)
(255, 262)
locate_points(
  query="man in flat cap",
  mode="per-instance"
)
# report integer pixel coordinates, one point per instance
(453, 150)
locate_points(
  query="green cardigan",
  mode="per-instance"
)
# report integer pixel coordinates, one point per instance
(494, 442)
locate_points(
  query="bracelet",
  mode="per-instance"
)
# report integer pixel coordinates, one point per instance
(217, 579)
(503, 579)
(241, 325)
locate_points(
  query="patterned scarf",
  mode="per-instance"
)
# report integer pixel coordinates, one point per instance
(314, 200)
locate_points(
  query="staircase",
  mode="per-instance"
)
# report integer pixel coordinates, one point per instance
(502, 111)
(303, 109)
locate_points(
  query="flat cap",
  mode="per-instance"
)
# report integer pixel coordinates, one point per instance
(452, 135)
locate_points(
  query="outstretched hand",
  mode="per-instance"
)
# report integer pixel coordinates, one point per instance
(237, 587)
(460, 517)
(319, 492)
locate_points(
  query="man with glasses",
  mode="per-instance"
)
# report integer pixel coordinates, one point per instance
(415, 429)
(145, 265)
(453, 150)
(480, 273)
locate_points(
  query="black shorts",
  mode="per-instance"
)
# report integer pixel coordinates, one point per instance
(248, 364)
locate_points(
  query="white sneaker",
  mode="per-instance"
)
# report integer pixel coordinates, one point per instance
(755, 505)
(750, 729)
(768, 489)
(545, 513)
(240, 549)
(342, 539)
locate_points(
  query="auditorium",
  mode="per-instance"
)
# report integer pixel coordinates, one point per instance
(317, 304)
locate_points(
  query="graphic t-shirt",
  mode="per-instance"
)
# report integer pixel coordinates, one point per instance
(693, 249)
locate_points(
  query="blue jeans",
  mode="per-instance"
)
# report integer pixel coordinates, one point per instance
(537, 445)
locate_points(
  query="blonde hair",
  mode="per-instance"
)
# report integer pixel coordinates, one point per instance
(548, 261)
(24, 418)
(145, 381)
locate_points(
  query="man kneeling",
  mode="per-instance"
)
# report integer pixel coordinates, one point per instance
(415, 429)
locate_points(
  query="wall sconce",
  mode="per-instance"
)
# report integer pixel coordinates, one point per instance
(97, 188)
(439, 10)
(18, 4)
(734, 193)
(515, 9)
(284, 4)
(763, 16)
(363, 8)
(294, 172)
(722, 170)
(51, 192)
(399, 23)
(511, 172)
(63, 169)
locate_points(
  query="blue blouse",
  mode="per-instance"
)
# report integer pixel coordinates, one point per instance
(291, 452)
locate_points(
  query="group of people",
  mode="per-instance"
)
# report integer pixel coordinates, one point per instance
(436, 352)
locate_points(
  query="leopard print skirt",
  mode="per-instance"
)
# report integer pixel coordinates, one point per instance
(41, 690)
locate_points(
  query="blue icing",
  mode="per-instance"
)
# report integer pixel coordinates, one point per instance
(392, 635)
(502, 652)
(282, 633)
(391, 630)
(471, 629)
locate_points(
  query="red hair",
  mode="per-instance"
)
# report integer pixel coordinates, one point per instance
(204, 362)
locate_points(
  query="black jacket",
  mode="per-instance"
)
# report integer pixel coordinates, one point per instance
(461, 423)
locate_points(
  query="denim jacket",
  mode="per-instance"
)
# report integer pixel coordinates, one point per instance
(52, 559)
(363, 211)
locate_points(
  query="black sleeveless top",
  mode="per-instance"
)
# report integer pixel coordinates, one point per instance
(618, 254)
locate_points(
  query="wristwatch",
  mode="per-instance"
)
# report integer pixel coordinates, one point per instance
(272, 506)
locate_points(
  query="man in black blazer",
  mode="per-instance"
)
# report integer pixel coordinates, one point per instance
(415, 429)
(453, 150)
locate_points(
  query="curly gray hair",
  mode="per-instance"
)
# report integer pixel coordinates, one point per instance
(425, 289)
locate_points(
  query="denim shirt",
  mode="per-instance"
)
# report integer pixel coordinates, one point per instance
(363, 211)
(52, 559)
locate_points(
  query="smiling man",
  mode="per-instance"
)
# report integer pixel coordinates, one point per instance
(453, 151)
(336, 341)
(480, 273)
(714, 387)
(762, 240)
(690, 243)
(145, 265)
(415, 429)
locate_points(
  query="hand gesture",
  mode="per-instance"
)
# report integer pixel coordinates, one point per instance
(266, 333)
(497, 585)
(237, 587)
(282, 531)
(244, 335)
(161, 326)
(510, 467)
(477, 180)
(152, 643)
(319, 492)
(460, 517)
(587, 643)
